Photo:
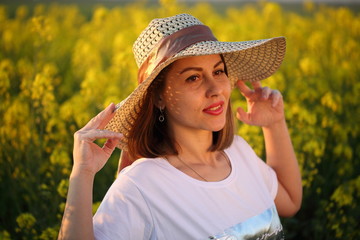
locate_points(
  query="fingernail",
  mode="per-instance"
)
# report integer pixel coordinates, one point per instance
(110, 105)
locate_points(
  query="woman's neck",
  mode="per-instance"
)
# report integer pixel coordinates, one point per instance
(194, 145)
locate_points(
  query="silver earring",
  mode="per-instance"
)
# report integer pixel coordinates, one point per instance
(161, 117)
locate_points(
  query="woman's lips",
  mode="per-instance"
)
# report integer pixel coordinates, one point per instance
(215, 109)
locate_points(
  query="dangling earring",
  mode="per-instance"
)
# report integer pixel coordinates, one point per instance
(161, 117)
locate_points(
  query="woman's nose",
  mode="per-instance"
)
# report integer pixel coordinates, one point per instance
(213, 87)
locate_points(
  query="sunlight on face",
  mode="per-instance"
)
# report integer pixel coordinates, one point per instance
(196, 93)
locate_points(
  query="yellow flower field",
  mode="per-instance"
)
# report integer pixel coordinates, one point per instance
(60, 66)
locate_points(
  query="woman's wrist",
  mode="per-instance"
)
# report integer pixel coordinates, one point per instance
(79, 172)
(278, 125)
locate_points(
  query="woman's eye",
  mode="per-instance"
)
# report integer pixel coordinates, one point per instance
(219, 72)
(192, 78)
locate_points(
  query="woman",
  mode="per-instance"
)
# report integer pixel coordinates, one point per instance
(193, 178)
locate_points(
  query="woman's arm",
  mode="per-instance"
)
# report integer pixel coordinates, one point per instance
(89, 158)
(281, 157)
(77, 219)
(266, 109)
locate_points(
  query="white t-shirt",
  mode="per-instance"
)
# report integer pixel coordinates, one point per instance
(151, 199)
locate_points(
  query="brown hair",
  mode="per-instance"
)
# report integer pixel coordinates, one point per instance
(150, 138)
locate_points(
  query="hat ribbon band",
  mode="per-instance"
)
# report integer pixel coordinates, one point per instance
(171, 45)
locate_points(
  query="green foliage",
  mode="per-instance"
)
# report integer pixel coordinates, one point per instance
(4, 235)
(26, 222)
(58, 68)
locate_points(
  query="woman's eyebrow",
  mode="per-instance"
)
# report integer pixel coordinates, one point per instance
(191, 68)
(217, 64)
(198, 68)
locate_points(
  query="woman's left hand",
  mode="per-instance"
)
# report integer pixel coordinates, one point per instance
(264, 105)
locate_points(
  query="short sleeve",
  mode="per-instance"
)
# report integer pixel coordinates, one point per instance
(267, 174)
(269, 177)
(123, 213)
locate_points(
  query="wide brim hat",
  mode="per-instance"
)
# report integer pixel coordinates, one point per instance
(166, 40)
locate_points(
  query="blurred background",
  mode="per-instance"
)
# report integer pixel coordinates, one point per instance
(63, 62)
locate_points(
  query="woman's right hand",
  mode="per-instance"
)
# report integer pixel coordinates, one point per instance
(88, 156)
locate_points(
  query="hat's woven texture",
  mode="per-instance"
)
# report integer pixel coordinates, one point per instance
(246, 61)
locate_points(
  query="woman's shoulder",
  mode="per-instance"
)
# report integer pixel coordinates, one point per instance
(143, 167)
(239, 143)
(238, 139)
(147, 175)
(241, 150)
(144, 163)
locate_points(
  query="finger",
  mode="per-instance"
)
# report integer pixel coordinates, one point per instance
(94, 134)
(110, 145)
(242, 115)
(100, 120)
(108, 117)
(276, 98)
(256, 85)
(265, 92)
(244, 89)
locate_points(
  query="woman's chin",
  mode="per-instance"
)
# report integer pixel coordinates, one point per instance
(217, 127)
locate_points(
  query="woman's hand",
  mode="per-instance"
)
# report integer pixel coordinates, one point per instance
(88, 156)
(264, 105)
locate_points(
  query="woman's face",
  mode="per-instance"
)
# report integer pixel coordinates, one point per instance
(196, 94)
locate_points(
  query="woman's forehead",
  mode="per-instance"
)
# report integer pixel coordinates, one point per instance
(197, 60)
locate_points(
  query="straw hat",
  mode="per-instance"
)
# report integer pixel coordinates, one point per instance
(166, 40)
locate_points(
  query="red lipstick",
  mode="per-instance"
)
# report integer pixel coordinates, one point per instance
(215, 109)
